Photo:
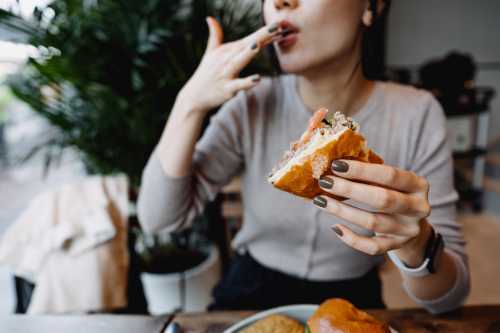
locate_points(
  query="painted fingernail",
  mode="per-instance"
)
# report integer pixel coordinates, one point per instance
(326, 182)
(284, 32)
(340, 166)
(255, 46)
(320, 202)
(256, 78)
(273, 28)
(338, 231)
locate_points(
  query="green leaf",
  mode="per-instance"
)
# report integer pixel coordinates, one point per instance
(146, 47)
(137, 81)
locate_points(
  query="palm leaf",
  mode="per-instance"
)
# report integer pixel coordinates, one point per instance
(113, 69)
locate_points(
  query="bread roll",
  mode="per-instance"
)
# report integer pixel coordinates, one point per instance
(340, 316)
(275, 324)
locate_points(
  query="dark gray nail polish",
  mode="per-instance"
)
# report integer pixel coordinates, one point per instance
(320, 202)
(338, 231)
(255, 46)
(340, 166)
(273, 28)
(326, 182)
(285, 32)
(256, 78)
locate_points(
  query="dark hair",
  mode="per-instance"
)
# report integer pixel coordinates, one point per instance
(373, 48)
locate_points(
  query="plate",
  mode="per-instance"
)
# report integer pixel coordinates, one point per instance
(299, 312)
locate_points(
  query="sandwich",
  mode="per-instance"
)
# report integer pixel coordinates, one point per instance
(328, 137)
(340, 316)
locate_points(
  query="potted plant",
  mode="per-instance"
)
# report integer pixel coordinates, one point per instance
(107, 75)
(178, 270)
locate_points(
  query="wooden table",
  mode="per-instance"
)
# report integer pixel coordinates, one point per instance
(480, 319)
(82, 324)
(475, 319)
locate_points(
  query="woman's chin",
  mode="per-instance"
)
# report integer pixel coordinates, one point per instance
(293, 66)
(296, 61)
(304, 64)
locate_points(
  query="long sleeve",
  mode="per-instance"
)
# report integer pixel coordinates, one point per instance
(432, 159)
(168, 204)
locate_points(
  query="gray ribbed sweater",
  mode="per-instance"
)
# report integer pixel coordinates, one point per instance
(405, 126)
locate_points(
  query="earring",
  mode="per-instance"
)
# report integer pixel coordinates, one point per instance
(368, 18)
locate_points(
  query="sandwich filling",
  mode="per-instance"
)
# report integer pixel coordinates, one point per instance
(323, 128)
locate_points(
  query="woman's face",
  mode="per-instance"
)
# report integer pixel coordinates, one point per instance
(327, 31)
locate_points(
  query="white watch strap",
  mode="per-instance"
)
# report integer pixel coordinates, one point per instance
(420, 271)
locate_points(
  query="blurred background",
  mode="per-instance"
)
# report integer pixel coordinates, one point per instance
(86, 87)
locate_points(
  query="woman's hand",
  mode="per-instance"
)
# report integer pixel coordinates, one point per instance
(216, 79)
(401, 201)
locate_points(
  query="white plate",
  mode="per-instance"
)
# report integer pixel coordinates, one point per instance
(299, 312)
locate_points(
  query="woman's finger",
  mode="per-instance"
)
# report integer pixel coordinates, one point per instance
(243, 84)
(263, 36)
(216, 35)
(373, 246)
(380, 174)
(251, 45)
(383, 199)
(242, 59)
(375, 222)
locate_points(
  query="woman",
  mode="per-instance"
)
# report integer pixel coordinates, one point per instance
(292, 251)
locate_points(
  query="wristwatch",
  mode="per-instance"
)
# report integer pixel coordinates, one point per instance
(433, 249)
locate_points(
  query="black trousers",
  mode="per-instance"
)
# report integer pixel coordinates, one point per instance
(248, 285)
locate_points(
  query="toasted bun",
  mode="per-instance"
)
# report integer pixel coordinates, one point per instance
(275, 324)
(338, 315)
(300, 176)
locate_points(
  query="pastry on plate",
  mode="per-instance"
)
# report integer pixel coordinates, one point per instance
(275, 324)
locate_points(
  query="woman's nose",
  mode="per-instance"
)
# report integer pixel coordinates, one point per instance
(282, 4)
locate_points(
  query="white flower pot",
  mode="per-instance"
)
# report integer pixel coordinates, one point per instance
(164, 292)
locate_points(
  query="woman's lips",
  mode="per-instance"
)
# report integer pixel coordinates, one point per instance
(287, 25)
(288, 40)
(288, 36)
